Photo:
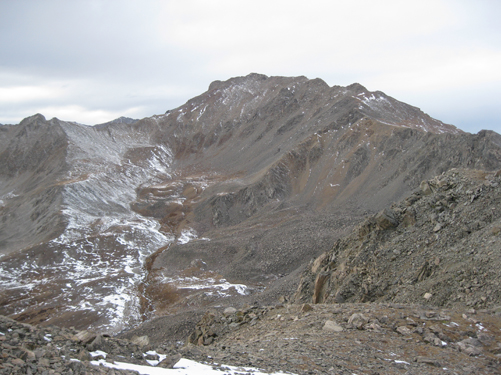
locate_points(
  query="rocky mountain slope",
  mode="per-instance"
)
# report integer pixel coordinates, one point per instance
(228, 196)
(70, 240)
(369, 304)
(440, 245)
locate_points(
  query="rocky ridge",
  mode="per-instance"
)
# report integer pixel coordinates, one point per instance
(27, 349)
(441, 244)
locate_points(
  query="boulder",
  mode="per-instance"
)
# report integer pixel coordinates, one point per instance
(403, 330)
(306, 308)
(140, 340)
(425, 188)
(386, 219)
(170, 361)
(229, 311)
(332, 326)
(358, 320)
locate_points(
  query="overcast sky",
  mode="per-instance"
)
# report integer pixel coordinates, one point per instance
(93, 61)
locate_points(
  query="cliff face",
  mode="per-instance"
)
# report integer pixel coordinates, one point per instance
(231, 193)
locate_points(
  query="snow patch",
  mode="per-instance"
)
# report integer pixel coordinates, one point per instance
(186, 236)
(184, 366)
(211, 286)
(98, 353)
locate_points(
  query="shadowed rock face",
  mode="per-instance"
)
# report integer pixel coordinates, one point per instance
(33, 159)
(241, 185)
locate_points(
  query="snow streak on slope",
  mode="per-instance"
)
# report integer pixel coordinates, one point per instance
(95, 265)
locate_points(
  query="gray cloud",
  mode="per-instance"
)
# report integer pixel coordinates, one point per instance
(92, 61)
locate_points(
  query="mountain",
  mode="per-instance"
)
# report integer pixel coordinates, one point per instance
(227, 197)
(120, 120)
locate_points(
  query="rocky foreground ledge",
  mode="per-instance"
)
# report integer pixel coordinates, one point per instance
(298, 339)
(352, 339)
(27, 349)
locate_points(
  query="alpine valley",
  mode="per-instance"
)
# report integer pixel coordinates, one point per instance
(260, 190)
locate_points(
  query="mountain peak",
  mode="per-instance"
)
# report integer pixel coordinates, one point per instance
(33, 119)
(357, 88)
(120, 120)
(258, 92)
(237, 80)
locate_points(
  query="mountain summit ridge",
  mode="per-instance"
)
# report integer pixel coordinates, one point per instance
(371, 102)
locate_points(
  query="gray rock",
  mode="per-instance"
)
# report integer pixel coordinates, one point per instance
(425, 188)
(437, 227)
(141, 340)
(83, 355)
(358, 320)
(306, 308)
(96, 344)
(434, 340)
(386, 219)
(332, 326)
(403, 330)
(470, 346)
(486, 339)
(408, 219)
(229, 311)
(428, 361)
(170, 361)
(85, 337)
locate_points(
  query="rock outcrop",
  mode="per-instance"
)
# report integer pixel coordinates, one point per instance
(28, 349)
(438, 246)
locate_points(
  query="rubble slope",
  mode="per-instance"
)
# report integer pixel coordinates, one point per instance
(440, 245)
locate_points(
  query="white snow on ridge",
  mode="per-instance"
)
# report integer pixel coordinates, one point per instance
(161, 160)
(154, 362)
(101, 206)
